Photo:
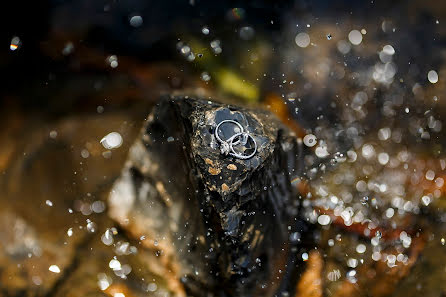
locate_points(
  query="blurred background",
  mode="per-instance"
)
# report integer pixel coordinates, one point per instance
(364, 78)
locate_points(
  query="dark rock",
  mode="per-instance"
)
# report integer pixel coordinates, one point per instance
(232, 225)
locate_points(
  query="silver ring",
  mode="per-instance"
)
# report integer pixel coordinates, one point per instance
(221, 123)
(240, 156)
(242, 137)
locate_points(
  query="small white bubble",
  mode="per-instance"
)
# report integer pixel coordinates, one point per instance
(246, 33)
(85, 153)
(361, 248)
(355, 37)
(430, 175)
(152, 287)
(305, 256)
(136, 21)
(384, 133)
(98, 206)
(205, 30)
(53, 134)
(426, 200)
(390, 212)
(432, 76)
(15, 43)
(324, 220)
(205, 76)
(112, 140)
(49, 203)
(302, 40)
(112, 61)
(389, 50)
(68, 49)
(54, 268)
(368, 151)
(351, 262)
(114, 264)
(376, 256)
(310, 140)
(70, 232)
(107, 237)
(383, 158)
(104, 281)
(343, 47)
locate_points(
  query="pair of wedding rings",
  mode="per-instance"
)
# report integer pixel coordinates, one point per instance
(240, 138)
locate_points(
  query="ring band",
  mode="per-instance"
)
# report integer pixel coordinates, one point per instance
(242, 137)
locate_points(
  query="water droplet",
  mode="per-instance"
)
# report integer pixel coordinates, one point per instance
(112, 61)
(310, 140)
(205, 30)
(432, 76)
(112, 140)
(302, 40)
(15, 43)
(205, 76)
(355, 37)
(54, 268)
(136, 21)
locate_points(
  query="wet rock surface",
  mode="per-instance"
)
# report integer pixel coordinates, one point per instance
(231, 226)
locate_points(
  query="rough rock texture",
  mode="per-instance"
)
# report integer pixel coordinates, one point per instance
(230, 225)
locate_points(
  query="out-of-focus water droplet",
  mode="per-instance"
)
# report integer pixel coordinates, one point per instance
(343, 47)
(430, 175)
(107, 237)
(68, 49)
(112, 140)
(426, 200)
(432, 76)
(389, 50)
(85, 153)
(205, 76)
(302, 40)
(136, 21)
(98, 206)
(49, 203)
(114, 264)
(310, 140)
(205, 30)
(324, 220)
(112, 61)
(15, 43)
(152, 287)
(53, 134)
(104, 281)
(216, 46)
(70, 232)
(355, 37)
(361, 248)
(54, 268)
(246, 33)
(91, 226)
